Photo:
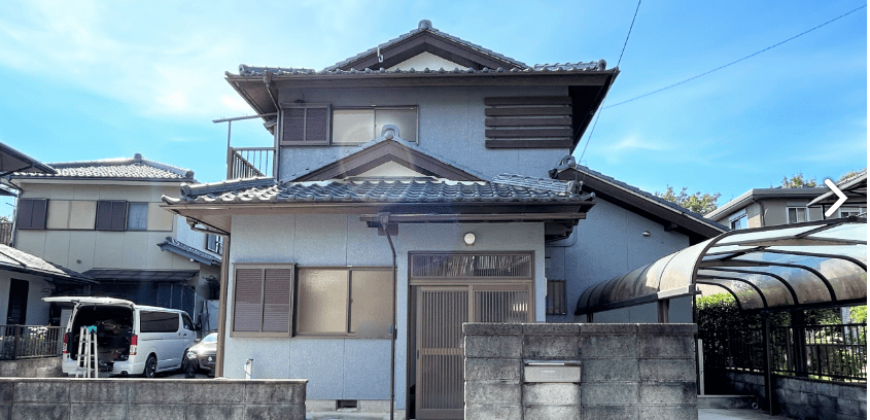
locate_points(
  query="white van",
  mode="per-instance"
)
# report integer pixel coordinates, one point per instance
(131, 339)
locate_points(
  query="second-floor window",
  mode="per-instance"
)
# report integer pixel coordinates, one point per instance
(797, 215)
(111, 215)
(32, 214)
(738, 221)
(321, 124)
(214, 243)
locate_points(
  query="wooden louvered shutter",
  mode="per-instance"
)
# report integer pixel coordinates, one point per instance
(316, 125)
(119, 215)
(104, 215)
(248, 307)
(40, 214)
(278, 297)
(308, 124)
(25, 214)
(293, 129)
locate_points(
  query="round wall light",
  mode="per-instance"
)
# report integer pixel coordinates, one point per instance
(469, 239)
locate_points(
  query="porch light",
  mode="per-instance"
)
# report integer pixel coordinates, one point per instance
(469, 239)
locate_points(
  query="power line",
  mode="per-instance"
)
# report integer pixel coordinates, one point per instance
(737, 61)
(600, 108)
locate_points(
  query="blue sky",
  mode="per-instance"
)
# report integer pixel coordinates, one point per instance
(83, 80)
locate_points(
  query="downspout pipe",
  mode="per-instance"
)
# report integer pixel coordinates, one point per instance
(385, 220)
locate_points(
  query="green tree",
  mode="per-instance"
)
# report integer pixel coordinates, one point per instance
(798, 181)
(849, 174)
(697, 202)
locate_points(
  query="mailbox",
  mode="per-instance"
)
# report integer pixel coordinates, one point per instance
(553, 371)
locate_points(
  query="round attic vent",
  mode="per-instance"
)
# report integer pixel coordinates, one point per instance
(425, 24)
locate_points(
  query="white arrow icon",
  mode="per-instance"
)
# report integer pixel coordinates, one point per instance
(839, 202)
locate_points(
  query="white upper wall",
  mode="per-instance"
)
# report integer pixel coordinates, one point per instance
(427, 60)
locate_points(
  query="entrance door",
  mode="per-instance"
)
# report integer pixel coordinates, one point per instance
(441, 310)
(16, 314)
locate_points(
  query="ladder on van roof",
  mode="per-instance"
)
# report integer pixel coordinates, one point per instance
(87, 361)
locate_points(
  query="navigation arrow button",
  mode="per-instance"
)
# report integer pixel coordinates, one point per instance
(839, 202)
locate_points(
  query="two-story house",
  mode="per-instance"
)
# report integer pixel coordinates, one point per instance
(104, 219)
(413, 187)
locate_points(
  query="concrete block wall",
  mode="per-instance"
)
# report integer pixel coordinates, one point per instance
(628, 371)
(42, 367)
(797, 398)
(144, 399)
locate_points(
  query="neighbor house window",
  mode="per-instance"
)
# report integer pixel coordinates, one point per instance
(214, 243)
(738, 221)
(851, 212)
(305, 124)
(263, 300)
(797, 215)
(32, 214)
(360, 125)
(344, 302)
(556, 303)
(137, 216)
(111, 215)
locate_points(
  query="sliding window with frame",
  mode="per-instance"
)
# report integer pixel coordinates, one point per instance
(344, 302)
(352, 126)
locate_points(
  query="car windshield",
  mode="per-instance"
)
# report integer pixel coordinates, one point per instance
(210, 338)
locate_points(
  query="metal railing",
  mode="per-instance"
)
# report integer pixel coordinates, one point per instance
(248, 162)
(824, 352)
(29, 341)
(6, 233)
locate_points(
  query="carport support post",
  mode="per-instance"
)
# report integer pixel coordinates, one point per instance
(768, 380)
(664, 306)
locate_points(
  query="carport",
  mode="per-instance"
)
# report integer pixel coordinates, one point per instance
(813, 265)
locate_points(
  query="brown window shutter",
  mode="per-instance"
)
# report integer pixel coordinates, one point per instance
(25, 214)
(278, 296)
(104, 215)
(316, 124)
(119, 215)
(248, 307)
(40, 214)
(294, 125)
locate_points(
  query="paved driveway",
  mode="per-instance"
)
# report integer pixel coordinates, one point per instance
(733, 414)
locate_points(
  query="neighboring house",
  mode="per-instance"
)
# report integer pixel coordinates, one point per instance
(104, 218)
(433, 154)
(855, 189)
(761, 207)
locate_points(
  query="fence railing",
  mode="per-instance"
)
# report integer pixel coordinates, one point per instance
(247, 162)
(6, 233)
(825, 352)
(29, 341)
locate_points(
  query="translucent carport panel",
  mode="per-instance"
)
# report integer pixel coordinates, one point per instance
(775, 292)
(763, 235)
(745, 294)
(847, 231)
(322, 302)
(809, 287)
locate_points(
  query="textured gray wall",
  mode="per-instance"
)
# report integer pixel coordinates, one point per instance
(628, 371)
(40, 367)
(451, 125)
(340, 368)
(610, 243)
(118, 399)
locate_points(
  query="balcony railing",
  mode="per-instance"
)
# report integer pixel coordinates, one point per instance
(29, 341)
(248, 162)
(6, 233)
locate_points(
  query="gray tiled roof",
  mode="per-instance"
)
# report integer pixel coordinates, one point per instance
(571, 164)
(249, 71)
(426, 26)
(141, 275)
(135, 168)
(17, 260)
(428, 190)
(175, 246)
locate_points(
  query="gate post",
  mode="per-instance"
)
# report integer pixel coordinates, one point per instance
(768, 380)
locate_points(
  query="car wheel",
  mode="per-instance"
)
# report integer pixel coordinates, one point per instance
(150, 367)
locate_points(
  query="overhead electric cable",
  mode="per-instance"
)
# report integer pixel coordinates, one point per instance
(618, 62)
(737, 61)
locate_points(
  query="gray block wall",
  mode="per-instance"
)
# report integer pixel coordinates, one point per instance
(797, 398)
(628, 371)
(145, 399)
(42, 367)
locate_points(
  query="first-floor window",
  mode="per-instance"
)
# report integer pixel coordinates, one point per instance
(797, 215)
(263, 300)
(851, 212)
(345, 302)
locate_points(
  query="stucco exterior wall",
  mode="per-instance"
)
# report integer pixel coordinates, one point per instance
(340, 368)
(607, 244)
(37, 310)
(82, 250)
(451, 125)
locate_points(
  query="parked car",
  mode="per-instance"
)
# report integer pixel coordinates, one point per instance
(201, 357)
(131, 339)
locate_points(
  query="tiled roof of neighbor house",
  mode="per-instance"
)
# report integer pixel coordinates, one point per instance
(406, 190)
(141, 275)
(134, 169)
(175, 246)
(426, 26)
(570, 163)
(17, 260)
(362, 147)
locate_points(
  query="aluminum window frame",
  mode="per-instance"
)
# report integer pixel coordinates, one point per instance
(788, 220)
(305, 106)
(374, 108)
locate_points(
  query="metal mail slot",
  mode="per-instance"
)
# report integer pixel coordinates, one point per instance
(559, 371)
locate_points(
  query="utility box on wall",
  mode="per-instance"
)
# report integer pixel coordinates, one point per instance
(551, 371)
